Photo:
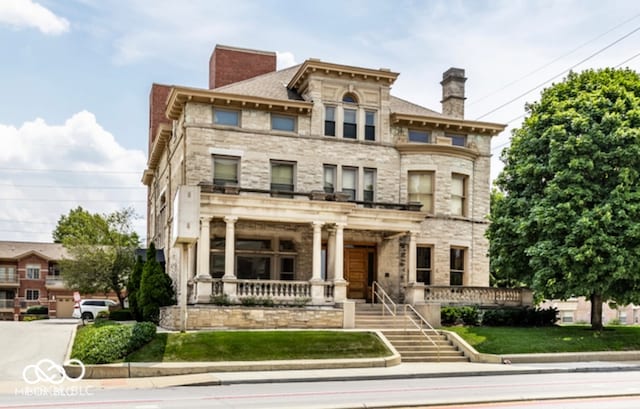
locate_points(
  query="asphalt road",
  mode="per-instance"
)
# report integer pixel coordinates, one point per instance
(25, 343)
(611, 390)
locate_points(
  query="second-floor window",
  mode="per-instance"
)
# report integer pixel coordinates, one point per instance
(421, 189)
(329, 183)
(225, 170)
(33, 272)
(282, 176)
(369, 182)
(32, 295)
(458, 194)
(350, 182)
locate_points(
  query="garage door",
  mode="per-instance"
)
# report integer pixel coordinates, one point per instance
(64, 306)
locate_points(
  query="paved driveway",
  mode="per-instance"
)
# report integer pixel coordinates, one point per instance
(25, 343)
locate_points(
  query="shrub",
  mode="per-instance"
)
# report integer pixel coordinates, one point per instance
(449, 315)
(222, 299)
(121, 315)
(301, 301)
(156, 288)
(469, 315)
(520, 317)
(35, 317)
(141, 334)
(102, 315)
(38, 309)
(257, 301)
(109, 342)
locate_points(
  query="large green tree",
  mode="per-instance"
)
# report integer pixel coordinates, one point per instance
(568, 222)
(101, 250)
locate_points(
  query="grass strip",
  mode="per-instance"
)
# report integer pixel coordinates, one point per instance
(569, 338)
(259, 345)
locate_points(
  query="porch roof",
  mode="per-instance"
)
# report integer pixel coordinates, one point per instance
(264, 208)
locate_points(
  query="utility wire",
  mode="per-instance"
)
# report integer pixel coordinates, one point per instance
(560, 74)
(74, 187)
(552, 61)
(71, 171)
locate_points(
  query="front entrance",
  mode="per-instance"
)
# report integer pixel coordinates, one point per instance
(359, 270)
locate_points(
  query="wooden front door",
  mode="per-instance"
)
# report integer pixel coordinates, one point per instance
(358, 267)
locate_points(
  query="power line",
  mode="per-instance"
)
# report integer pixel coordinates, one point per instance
(74, 187)
(560, 74)
(553, 61)
(30, 200)
(627, 60)
(70, 171)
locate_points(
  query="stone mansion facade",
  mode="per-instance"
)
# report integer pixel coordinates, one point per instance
(315, 182)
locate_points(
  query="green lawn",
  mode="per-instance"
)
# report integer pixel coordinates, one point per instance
(259, 345)
(574, 338)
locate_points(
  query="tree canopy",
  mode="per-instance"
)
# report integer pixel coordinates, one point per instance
(101, 250)
(567, 222)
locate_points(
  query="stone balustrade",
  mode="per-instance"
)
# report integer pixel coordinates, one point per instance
(280, 291)
(480, 296)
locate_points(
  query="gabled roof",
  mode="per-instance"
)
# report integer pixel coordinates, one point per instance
(271, 85)
(16, 250)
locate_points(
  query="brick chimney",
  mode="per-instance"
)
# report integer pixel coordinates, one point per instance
(453, 98)
(157, 107)
(230, 64)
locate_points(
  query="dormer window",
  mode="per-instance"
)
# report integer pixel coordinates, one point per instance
(457, 139)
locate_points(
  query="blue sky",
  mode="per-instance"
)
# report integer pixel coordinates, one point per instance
(76, 74)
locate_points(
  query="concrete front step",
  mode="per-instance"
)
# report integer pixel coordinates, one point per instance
(436, 359)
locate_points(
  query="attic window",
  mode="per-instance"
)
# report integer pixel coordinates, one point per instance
(349, 98)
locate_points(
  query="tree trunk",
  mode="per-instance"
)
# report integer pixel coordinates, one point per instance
(596, 312)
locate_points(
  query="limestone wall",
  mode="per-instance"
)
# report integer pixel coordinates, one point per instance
(236, 317)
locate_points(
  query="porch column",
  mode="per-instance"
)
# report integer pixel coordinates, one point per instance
(229, 284)
(316, 273)
(229, 247)
(331, 254)
(203, 279)
(203, 247)
(414, 291)
(317, 287)
(412, 257)
(340, 285)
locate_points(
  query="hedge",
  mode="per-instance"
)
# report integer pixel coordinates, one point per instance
(110, 342)
(499, 317)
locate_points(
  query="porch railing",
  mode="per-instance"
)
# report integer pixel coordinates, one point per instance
(422, 325)
(378, 293)
(277, 290)
(481, 296)
(9, 278)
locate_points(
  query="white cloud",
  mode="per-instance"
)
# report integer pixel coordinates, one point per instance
(46, 170)
(26, 13)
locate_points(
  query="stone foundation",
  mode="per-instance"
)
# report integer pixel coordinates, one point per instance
(237, 317)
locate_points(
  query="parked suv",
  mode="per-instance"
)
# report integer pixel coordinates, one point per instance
(89, 309)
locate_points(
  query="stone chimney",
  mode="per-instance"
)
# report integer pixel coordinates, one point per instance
(230, 64)
(453, 98)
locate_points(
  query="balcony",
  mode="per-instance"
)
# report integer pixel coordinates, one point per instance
(6, 304)
(55, 283)
(9, 280)
(479, 296)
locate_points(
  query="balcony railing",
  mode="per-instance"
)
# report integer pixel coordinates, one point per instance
(6, 303)
(313, 195)
(480, 296)
(55, 282)
(9, 279)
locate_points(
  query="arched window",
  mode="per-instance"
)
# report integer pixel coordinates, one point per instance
(349, 98)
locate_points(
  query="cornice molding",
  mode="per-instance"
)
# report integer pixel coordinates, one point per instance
(448, 124)
(448, 150)
(311, 66)
(179, 96)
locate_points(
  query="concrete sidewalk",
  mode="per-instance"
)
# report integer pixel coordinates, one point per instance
(401, 371)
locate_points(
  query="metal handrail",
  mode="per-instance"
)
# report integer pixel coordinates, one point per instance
(419, 326)
(384, 298)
